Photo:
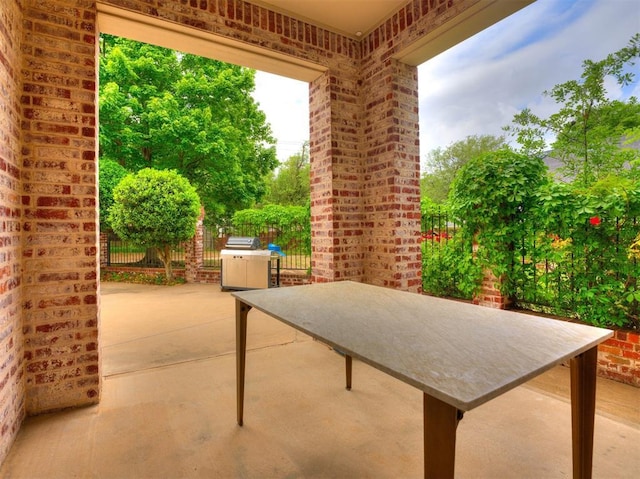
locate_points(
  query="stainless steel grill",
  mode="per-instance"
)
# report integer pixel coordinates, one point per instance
(246, 266)
(243, 242)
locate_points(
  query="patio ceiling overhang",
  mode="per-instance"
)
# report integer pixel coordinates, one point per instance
(352, 18)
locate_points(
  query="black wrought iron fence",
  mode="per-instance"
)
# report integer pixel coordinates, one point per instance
(585, 271)
(446, 260)
(125, 253)
(294, 240)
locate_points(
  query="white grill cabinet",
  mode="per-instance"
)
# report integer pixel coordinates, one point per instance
(245, 266)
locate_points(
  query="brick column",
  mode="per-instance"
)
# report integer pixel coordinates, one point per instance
(60, 228)
(365, 176)
(104, 249)
(193, 252)
(336, 178)
(489, 294)
(391, 175)
(12, 396)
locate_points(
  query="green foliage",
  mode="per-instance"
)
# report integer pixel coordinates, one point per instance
(110, 175)
(576, 255)
(566, 248)
(585, 238)
(429, 208)
(496, 187)
(448, 268)
(493, 194)
(443, 164)
(292, 225)
(588, 127)
(291, 184)
(165, 110)
(156, 209)
(139, 278)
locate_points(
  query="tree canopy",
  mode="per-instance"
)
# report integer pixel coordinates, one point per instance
(110, 174)
(168, 110)
(290, 184)
(589, 127)
(444, 164)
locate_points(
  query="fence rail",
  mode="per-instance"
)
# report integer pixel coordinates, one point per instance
(581, 271)
(585, 271)
(294, 240)
(124, 253)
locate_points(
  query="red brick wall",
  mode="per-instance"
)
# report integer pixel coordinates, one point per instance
(619, 358)
(336, 178)
(193, 251)
(489, 294)
(60, 306)
(12, 396)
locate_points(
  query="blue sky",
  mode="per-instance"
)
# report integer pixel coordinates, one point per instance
(476, 87)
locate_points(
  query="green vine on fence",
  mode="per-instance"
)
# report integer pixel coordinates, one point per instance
(493, 195)
(556, 247)
(291, 224)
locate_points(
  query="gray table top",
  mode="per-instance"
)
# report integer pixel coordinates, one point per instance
(460, 353)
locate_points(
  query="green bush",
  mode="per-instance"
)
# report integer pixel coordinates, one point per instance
(110, 174)
(156, 209)
(556, 247)
(448, 268)
(292, 225)
(492, 195)
(588, 240)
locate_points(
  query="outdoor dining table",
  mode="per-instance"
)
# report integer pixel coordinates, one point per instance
(460, 355)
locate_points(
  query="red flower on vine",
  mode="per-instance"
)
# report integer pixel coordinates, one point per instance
(595, 220)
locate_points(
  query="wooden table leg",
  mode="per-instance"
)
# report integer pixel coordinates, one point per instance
(241, 354)
(583, 406)
(348, 368)
(440, 423)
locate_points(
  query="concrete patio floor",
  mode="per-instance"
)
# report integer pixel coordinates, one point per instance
(168, 408)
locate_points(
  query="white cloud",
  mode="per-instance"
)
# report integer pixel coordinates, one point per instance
(477, 86)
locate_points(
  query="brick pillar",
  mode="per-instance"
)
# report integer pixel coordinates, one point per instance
(391, 175)
(365, 176)
(193, 252)
(104, 249)
(12, 395)
(489, 294)
(336, 178)
(60, 224)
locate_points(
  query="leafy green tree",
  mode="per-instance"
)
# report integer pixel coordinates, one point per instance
(443, 164)
(290, 185)
(110, 175)
(167, 110)
(157, 209)
(588, 128)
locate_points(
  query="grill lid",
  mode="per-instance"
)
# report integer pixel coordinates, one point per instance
(243, 242)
